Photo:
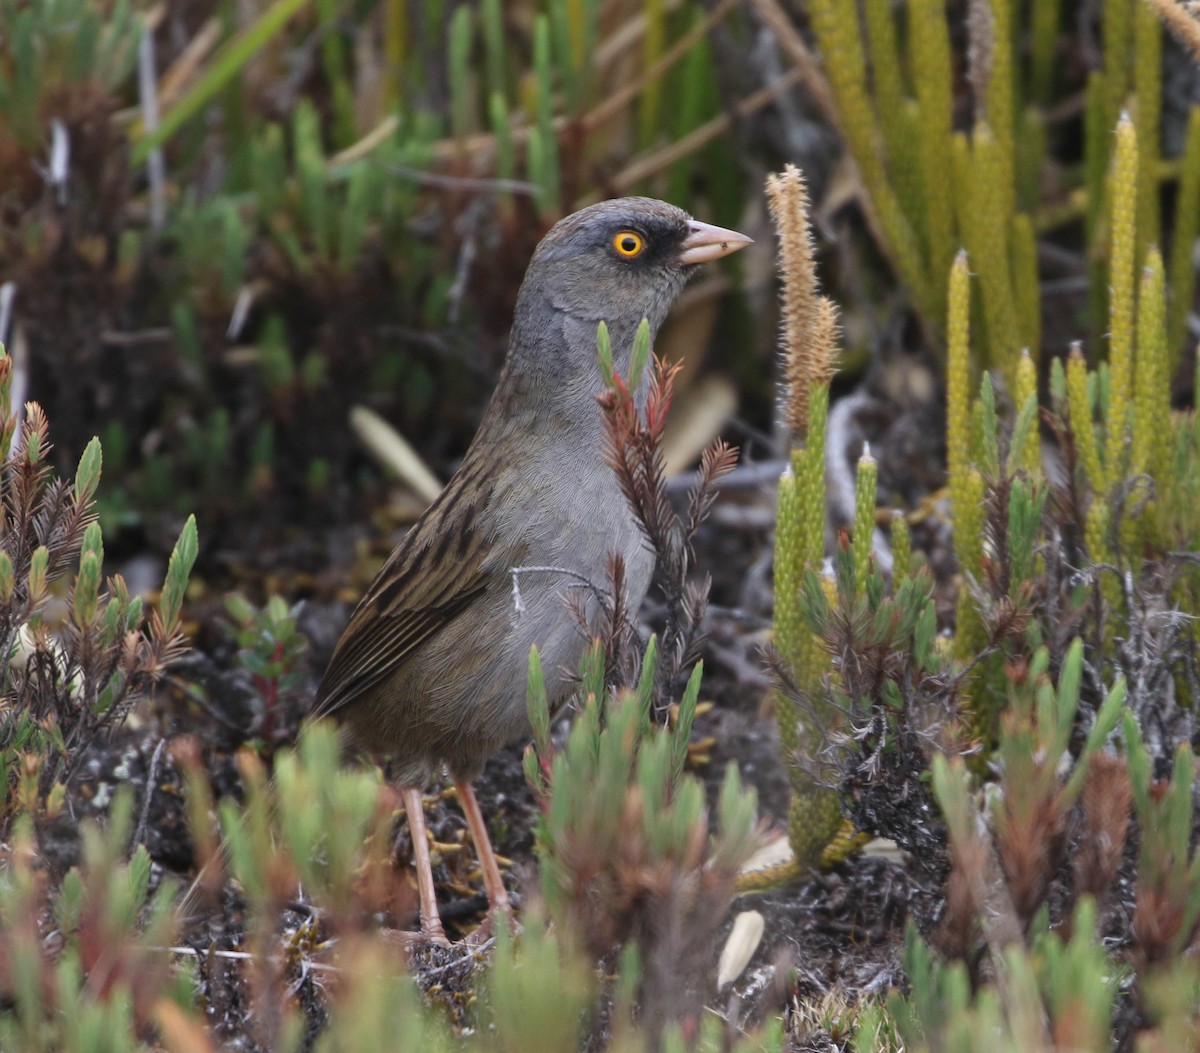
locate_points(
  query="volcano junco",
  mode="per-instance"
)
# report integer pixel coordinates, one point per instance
(432, 665)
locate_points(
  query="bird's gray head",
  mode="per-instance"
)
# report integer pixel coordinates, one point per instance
(618, 261)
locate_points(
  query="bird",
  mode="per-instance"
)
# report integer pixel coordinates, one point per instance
(431, 667)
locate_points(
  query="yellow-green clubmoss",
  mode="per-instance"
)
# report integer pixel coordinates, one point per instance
(1095, 537)
(1043, 36)
(1187, 227)
(1082, 425)
(904, 167)
(968, 547)
(1117, 39)
(929, 57)
(887, 80)
(958, 381)
(815, 814)
(1151, 419)
(845, 842)
(810, 334)
(814, 820)
(1026, 389)
(864, 518)
(790, 632)
(1097, 131)
(1030, 159)
(1121, 285)
(841, 48)
(901, 549)
(810, 480)
(984, 219)
(1147, 79)
(811, 474)
(795, 643)
(1000, 102)
(1026, 288)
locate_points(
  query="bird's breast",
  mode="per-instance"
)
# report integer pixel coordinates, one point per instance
(574, 516)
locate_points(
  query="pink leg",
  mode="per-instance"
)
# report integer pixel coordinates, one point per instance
(493, 883)
(431, 924)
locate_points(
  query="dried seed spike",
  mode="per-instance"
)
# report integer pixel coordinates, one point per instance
(809, 322)
(1182, 20)
(823, 349)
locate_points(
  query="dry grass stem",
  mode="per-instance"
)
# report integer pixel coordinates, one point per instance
(793, 45)
(654, 162)
(620, 100)
(980, 51)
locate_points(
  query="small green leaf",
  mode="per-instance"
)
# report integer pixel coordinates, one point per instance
(139, 875)
(925, 638)
(1023, 431)
(591, 670)
(85, 598)
(239, 608)
(537, 704)
(682, 732)
(179, 568)
(1070, 677)
(68, 908)
(991, 429)
(1058, 382)
(645, 686)
(87, 475)
(7, 579)
(532, 768)
(38, 564)
(640, 355)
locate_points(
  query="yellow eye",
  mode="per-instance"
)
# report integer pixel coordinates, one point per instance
(629, 243)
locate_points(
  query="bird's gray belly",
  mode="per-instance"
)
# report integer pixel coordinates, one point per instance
(463, 695)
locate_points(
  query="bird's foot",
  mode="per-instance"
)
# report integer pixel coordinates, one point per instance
(487, 927)
(409, 938)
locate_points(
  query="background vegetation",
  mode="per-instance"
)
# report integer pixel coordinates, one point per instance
(234, 237)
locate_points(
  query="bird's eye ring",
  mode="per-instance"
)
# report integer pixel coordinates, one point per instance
(629, 244)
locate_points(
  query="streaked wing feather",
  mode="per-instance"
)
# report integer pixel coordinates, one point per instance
(380, 645)
(420, 589)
